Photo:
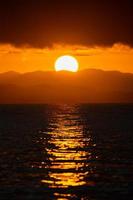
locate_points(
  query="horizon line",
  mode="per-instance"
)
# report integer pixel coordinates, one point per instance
(65, 71)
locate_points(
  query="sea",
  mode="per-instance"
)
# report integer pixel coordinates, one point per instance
(66, 152)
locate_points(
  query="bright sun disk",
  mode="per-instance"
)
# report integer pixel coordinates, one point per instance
(66, 63)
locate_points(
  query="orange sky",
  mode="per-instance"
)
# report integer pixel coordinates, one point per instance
(24, 59)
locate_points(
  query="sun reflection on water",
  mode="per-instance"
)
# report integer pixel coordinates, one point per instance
(68, 152)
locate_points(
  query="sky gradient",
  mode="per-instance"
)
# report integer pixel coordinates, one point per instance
(41, 23)
(22, 59)
(34, 33)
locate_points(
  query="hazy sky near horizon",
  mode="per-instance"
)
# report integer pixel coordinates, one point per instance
(35, 32)
(24, 59)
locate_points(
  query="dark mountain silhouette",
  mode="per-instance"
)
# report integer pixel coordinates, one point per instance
(87, 86)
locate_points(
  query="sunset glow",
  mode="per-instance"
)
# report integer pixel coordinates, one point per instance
(66, 99)
(118, 57)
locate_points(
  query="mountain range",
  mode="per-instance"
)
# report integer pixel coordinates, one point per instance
(86, 86)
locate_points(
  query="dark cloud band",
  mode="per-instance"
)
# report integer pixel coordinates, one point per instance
(41, 23)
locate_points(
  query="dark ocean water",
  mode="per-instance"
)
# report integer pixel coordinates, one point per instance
(66, 152)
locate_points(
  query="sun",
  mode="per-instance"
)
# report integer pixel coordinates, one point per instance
(66, 63)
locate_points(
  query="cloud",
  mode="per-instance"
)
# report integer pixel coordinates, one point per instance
(75, 50)
(82, 54)
(42, 23)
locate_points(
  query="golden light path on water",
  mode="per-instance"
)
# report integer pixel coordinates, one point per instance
(68, 152)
